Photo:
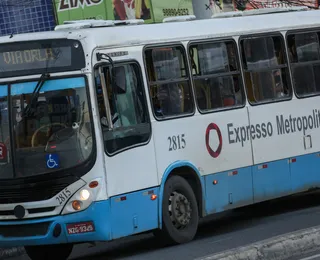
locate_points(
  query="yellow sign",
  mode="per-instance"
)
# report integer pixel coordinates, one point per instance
(28, 56)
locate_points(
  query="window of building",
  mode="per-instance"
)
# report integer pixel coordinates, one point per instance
(124, 103)
(216, 75)
(169, 81)
(304, 53)
(265, 69)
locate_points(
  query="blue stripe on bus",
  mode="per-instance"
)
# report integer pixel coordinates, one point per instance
(134, 213)
(271, 180)
(230, 189)
(120, 216)
(98, 212)
(266, 181)
(49, 85)
(305, 172)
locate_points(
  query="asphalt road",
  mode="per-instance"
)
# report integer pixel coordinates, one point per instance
(218, 233)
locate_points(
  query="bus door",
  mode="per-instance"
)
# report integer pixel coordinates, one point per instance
(129, 148)
(267, 78)
(6, 169)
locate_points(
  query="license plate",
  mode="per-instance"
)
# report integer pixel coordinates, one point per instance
(78, 228)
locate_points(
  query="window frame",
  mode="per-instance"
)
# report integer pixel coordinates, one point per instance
(238, 72)
(285, 54)
(139, 77)
(294, 32)
(81, 169)
(186, 60)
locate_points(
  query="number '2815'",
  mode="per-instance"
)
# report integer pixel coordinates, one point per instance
(63, 196)
(176, 142)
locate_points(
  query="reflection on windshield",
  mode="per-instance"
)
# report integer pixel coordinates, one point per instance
(57, 133)
(6, 170)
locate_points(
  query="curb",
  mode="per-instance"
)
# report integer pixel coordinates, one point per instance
(277, 248)
(6, 253)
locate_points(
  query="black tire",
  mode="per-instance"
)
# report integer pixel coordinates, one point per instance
(171, 233)
(49, 252)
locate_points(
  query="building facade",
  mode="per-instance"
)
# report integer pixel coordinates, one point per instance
(21, 16)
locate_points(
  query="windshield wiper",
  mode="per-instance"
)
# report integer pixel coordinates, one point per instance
(29, 109)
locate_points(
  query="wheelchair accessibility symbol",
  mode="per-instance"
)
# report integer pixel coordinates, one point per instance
(52, 161)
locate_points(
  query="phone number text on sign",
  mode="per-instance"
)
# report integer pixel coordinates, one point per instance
(175, 12)
(78, 228)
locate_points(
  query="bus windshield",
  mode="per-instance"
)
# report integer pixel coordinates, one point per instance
(55, 133)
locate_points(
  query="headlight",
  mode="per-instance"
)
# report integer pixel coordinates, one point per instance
(83, 198)
(84, 194)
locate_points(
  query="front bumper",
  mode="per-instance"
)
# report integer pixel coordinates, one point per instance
(43, 231)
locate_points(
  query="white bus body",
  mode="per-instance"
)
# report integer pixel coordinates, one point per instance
(263, 145)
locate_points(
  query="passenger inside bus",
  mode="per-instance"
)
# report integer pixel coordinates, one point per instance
(214, 90)
(118, 119)
(169, 98)
(127, 107)
(304, 52)
(262, 57)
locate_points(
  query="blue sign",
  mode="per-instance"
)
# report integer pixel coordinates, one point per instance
(52, 161)
(18, 16)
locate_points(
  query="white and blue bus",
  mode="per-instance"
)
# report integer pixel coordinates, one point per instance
(110, 129)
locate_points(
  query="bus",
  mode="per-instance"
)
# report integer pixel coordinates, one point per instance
(115, 128)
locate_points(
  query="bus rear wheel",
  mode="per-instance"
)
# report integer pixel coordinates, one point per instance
(49, 252)
(180, 216)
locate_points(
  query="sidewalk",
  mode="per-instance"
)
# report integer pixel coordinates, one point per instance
(281, 248)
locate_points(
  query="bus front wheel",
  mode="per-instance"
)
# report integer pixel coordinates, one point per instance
(180, 215)
(49, 252)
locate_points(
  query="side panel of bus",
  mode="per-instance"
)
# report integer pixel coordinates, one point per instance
(289, 155)
(231, 169)
(209, 143)
(129, 150)
(305, 164)
(285, 154)
(303, 120)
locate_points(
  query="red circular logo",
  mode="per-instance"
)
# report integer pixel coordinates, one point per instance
(213, 153)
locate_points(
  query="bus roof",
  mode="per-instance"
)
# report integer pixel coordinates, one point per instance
(128, 35)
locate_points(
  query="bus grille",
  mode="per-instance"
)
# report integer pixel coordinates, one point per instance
(30, 211)
(33, 189)
(30, 230)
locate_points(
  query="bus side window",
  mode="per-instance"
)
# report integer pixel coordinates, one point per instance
(265, 69)
(216, 75)
(127, 105)
(170, 87)
(304, 53)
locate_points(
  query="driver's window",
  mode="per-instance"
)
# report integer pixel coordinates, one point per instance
(127, 107)
(51, 125)
(52, 112)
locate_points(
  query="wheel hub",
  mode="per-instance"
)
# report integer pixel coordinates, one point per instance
(180, 210)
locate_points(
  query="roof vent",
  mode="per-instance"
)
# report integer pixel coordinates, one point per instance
(260, 11)
(82, 24)
(228, 14)
(182, 18)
